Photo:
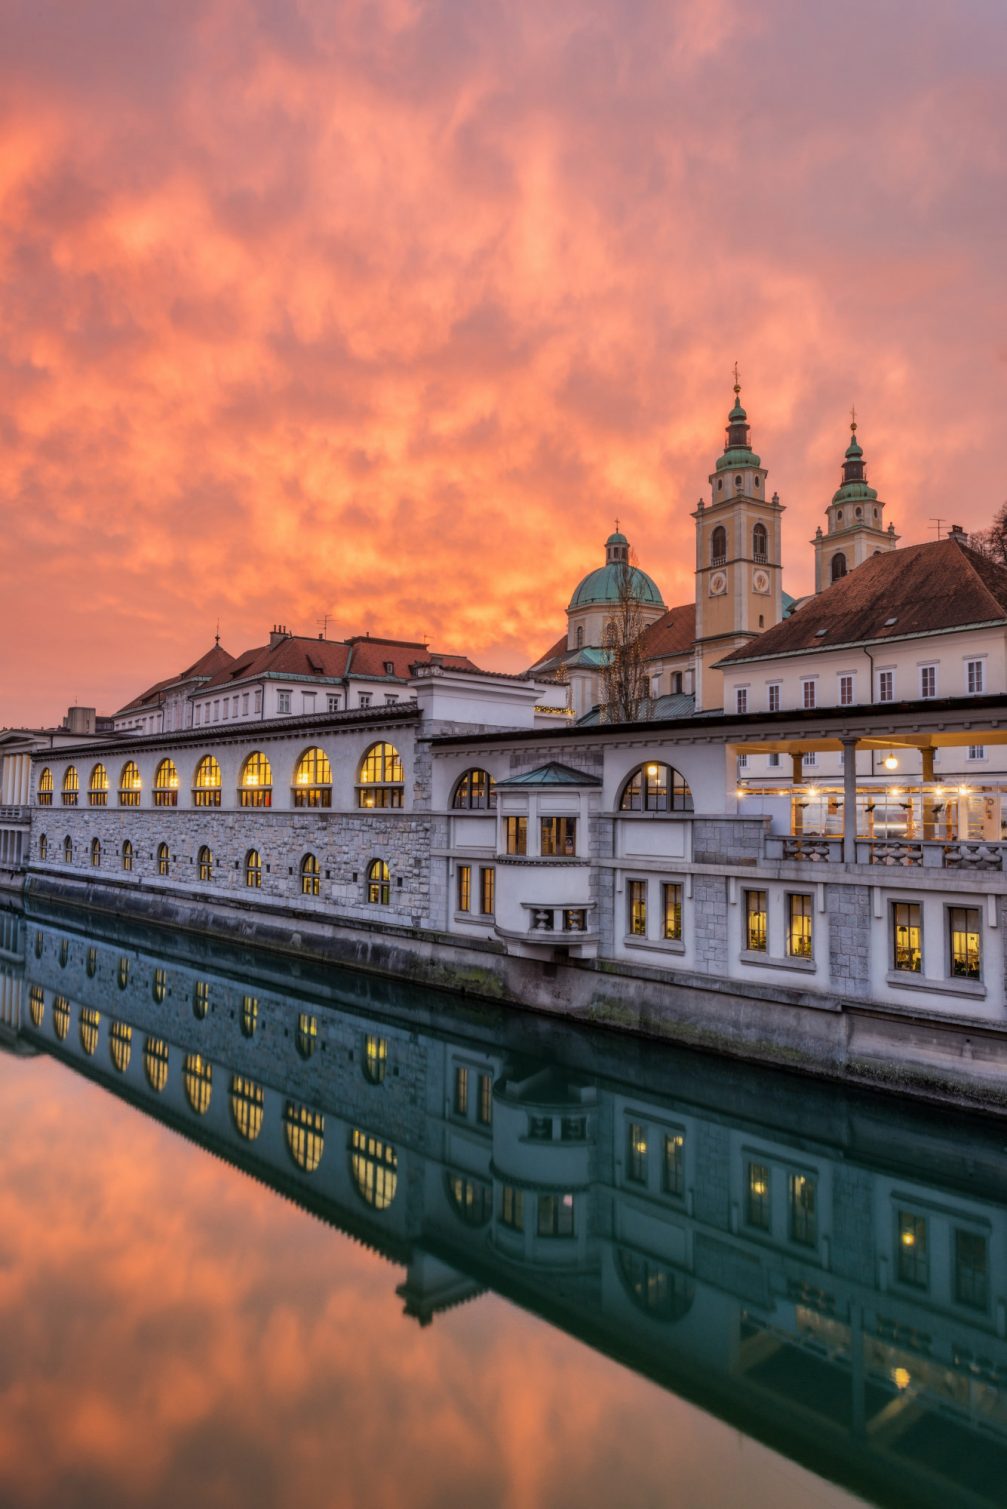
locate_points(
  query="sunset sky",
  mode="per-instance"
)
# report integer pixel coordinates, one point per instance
(383, 309)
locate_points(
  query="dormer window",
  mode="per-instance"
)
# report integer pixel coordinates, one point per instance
(389, 668)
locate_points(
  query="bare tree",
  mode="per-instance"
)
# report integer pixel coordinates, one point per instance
(992, 542)
(624, 674)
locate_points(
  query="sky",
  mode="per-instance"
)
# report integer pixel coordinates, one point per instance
(373, 315)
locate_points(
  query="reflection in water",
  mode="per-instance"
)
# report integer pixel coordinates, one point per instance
(824, 1271)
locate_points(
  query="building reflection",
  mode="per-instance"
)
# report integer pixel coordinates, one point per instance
(826, 1271)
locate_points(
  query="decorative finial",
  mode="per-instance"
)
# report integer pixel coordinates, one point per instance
(737, 379)
(217, 636)
(853, 417)
(617, 526)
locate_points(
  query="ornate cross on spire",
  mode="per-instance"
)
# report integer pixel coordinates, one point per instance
(853, 417)
(737, 379)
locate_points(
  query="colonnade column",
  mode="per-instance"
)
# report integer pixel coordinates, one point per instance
(927, 800)
(796, 777)
(849, 801)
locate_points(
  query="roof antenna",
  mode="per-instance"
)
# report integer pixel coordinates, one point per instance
(323, 624)
(936, 524)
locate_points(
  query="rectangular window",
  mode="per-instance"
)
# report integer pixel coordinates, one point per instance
(808, 693)
(673, 1171)
(461, 1091)
(774, 697)
(928, 681)
(963, 922)
(803, 1214)
(743, 762)
(741, 696)
(573, 1128)
(555, 1216)
(886, 686)
(974, 677)
(464, 888)
(364, 699)
(199, 713)
(846, 691)
(774, 761)
(512, 1207)
(234, 705)
(540, 1128)
(655, 686)
(225, 708)
(811, 758)
(636, 1153)
(977, 751)
(390, 699)
(636, 906)
(755, 921)
(244, 704)
(907, 936)
(308, 702)
(559, 836)
(672, 894)
(912, 1260)
(283, 702)
(332, 702)
(258, 699)
(485, 1112)
(676, 682)
(487, 890)
(799, 927)
(216, 710)
(757, 1197)
(972, 1270)
(516, 835)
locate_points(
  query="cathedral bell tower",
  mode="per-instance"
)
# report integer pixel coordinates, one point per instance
(856, 527)
(739, 590)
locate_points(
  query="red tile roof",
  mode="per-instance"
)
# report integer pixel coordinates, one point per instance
(209, 664)
(555, 650)
(921, 589)
(296, 655)
(674, 633)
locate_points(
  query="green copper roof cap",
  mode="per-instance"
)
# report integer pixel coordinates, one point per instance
(853, 487)
(617, 538)
(602, 586)
(553, 774)
(737, 456)
(737, 450)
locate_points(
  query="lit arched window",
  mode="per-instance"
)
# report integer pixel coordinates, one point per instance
(305, 1131)
(760, 543)
(163, 859)
(43, 795)
(375, 1059)
(375, 1169)
(313, 779)
(380, 781)
(97, 787)
(68, 850)
(838, 566)
(379, 885)
(96, 853)
(61, 1017)
(159, 986)
(201, 1000)
(43, 847)
(127, 855)
(155, 1063)
(204, 863)
(206, 783)
(307, 1034)
(90, 1021)
(248, 1103)
(655, 1288)
(255, 784)
(166, 784)
(253, 869)
(120, 1045)
(249, 1015)
(71, 786)
(311, 876)
(475, 790)
(36, 1004)
(122, 974)
(471, 1198)
(655, 788)
(130, 785)
(197, 1075)
(718, 546)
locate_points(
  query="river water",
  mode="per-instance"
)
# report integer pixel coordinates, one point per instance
(278, 1235)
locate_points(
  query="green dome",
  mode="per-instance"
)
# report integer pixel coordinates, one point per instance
(602, 586)
(735, 457)
(618, 538)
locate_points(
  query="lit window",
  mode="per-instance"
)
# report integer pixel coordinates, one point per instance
(61, 1017)
(461, 1106)
(672, 894)
(204, 863)
(755, 921)
(253, 869)
(963, 923)
(249, 1020)
(379, 885)
(476, 789)
(313, 779)
(485, 1108)
(122, 973)
(375, 1059)
(912, 1257)
(90, 1021)
(36, 1004)
(464, 879)
(655, 788)
(558, 837)
(799, 927)
(487, 890)
(636, 1153)
(43, 847)
(255, 784)
(64, 953)
(311, 876)
(155, 1063)
(120, 1045)
(636, 908)
(907, 936)
(68, 850)
(305, 1131)
(71, 786)
(307, 1034)
(928, 681)
(803, 1210)
(512, 1207)
(472, 1199)
(166, 784)
(972, 1264)
(248, 1105)
(197, 1075)
(375, 1169)
(808, 693)
(163, 859)
(201, 1000)
(974, 677)
(206, 783)
(757, 1197)
(127, 855)
(555, 1216)
(380, 782)
(96, 853)
(130, 785)
(43, 795)
(159, 986)
(673, 1172)
(886, 686)
(516, 835)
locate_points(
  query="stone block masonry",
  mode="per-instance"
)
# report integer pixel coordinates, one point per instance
(849, 910)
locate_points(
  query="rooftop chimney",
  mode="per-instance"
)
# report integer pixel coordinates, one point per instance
(956, 532)
(279, 633)
(80, 720)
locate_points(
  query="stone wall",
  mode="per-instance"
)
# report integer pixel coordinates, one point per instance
(849, 911)
(709, 912)
(726, 840)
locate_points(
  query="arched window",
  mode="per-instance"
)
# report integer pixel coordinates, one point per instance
(655, 1288)
(36, 1005)
(476, 790)
(91, 966)
(253, 869)
(655, 788)
(375, 1169)
(313, 779)
(580, 636)
(838, 566)
(760, 543)
(163, 859)
(204, 863)
(64, 952)
(201, 1000)
(71, 786)
(166, 784)
(718, 546)
(96, 853)
(380, 782)
(375, 1059)
(255, 784)
(197, 1076)
(379, 885)
(248, 1105)
(249, 1015)
(43, 795)
(206, 783)
(311, 876)
(43, 847)
(471, 1199)
(122, 974)
(159, 986)
(155, 1063)
(68, 850)
(305, 1131)
(90, 1021)
(120, 1045)
(127, 855)
(130, 785)
(97, 787)
(61, 1017)
(307, 1034)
